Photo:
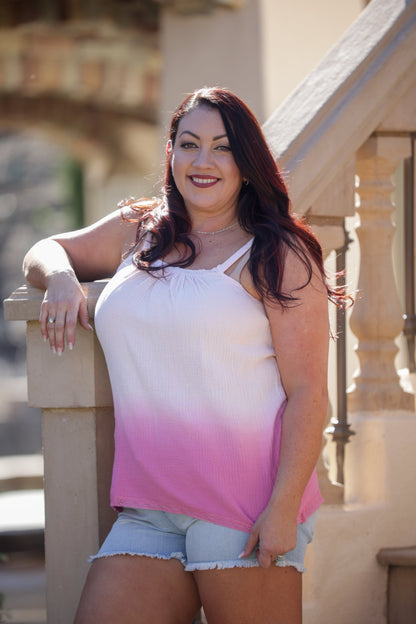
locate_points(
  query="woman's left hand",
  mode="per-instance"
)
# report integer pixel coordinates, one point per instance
(274, 533)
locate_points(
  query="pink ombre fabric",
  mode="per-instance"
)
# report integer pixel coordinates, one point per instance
(197, 394)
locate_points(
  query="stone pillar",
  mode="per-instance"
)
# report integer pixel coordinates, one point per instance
(219, 46)
(376, 319)
(77, 427)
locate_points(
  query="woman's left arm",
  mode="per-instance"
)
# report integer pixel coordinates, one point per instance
(300, 335)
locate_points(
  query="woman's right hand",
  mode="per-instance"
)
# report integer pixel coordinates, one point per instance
(63, 305)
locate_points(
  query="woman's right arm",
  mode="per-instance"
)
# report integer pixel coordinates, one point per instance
(58, 264)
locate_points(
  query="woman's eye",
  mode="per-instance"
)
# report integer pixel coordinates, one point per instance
(188, 145)
(223, 148)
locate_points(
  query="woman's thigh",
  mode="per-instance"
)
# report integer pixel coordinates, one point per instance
(139, 590)
(251, 595)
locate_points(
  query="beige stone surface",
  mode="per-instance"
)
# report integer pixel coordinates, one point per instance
(223, 48)
(261, 51)
(402, 116)
(345, 582)
(77, 512)
(78, 424)
(285, 28)
(377, 320)
(76, 379)
(24, 303)
(337, 200)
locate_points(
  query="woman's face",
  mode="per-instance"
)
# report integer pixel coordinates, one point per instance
(203, 165)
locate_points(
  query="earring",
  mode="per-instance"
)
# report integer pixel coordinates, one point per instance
(245, 182)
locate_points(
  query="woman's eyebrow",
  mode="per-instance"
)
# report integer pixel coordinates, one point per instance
(215, 138)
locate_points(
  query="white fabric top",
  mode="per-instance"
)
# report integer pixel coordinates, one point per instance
(197, 394)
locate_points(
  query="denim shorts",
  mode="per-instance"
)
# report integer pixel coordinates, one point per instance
(197, 544)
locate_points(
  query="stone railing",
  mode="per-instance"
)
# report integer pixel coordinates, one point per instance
(77, 428)
(340, 137)
(351, 119)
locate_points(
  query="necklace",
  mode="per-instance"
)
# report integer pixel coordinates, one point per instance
(217, 231)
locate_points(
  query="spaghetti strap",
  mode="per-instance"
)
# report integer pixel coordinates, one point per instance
(235, 256)
(147, 241)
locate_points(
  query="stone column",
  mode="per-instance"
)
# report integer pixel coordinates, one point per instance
(226, 47)
(376, 319)
(77, 427)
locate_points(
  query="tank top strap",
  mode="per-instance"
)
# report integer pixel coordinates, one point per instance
(147, 241)
(235, 256)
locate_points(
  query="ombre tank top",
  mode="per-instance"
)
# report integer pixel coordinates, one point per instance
(198, 399)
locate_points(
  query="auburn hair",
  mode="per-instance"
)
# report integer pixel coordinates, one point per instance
(263, 206)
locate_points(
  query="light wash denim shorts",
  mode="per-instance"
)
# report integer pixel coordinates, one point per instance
(197, 544)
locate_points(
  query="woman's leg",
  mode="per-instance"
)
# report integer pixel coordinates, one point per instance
(138, 590)
(251, 595)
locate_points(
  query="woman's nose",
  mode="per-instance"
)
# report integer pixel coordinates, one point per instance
(203, 158)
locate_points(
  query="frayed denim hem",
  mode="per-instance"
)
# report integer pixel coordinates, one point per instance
(220, 565)
(286, 564)
(206, 565)
(175, 555)
(250, 563)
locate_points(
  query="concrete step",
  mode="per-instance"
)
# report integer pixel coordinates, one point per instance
(405, 556)
(21, 472)
(22, 521)
(401, 589)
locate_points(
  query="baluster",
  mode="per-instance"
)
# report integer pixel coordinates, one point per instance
(376, 318)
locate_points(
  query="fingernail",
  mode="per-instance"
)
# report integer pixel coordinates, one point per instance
(70, 346)
(241, 555)
(90, 327)
(45, 338)
(53, 350)
(59, 351)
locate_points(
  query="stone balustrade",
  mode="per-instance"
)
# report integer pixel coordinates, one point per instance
(377, 317)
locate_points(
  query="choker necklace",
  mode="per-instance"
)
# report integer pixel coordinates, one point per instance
(217, 231)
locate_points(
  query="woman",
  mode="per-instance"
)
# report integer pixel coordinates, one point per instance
(215, 331)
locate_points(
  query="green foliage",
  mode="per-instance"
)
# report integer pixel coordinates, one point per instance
(71, 174)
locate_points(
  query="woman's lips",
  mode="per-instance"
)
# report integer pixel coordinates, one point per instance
(202, 181)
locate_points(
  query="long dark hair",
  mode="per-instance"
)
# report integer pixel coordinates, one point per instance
(263, 205)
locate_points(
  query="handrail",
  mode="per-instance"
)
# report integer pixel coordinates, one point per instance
(24, 303)
(338, 106)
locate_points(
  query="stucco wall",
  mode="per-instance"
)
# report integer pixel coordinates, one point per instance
(261, 51)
